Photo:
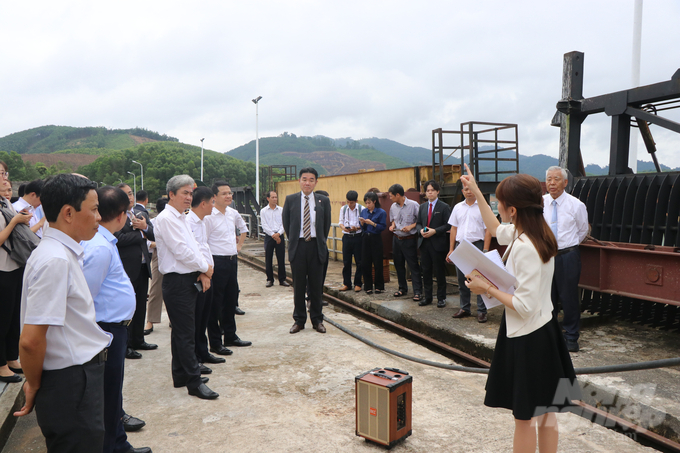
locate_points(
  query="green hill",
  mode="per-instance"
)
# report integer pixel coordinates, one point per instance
(320, 152)
(50, 139)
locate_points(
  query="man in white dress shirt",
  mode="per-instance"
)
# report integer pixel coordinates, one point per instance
(467, 223)
(30, 202)
(351, 241)
(272, 225)
(567, 217)
(62, 349)
(201, 206)
(185, 272)
(221, 230)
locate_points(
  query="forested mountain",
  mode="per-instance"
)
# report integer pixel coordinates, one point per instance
(319, 152)
(413, 155)
(49, 139)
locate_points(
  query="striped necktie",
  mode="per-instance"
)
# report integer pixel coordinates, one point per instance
(307, 225)
(553, 222)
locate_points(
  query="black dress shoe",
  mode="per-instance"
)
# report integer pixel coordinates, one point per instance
(203, 392)
(296, 328)
(204, 369)
(204, 379)
(572, 346)
(139, 450)
(16, 370)
(222, 351)
(148, 331)
(441, 303)
(424, 302)
(284, 283)
(132, 424)
(144, 346)
(269, 284)
(10, 379)
(237, 342)
(212, 359)
(132, 354)
(238, 311)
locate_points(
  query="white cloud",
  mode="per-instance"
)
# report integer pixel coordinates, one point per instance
(391, 69)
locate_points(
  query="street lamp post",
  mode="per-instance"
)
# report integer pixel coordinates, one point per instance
(142, 167)
(257, 152)
(202, 158)
(134, 179)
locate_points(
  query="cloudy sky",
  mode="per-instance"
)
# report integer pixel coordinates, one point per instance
(390, 69)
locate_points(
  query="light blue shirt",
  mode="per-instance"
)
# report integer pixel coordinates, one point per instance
(112, 291)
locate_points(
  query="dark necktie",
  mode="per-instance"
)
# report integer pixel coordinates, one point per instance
(307, 225)
(429, 215)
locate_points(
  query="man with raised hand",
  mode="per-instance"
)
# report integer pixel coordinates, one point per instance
(62, 348)
(185, 273)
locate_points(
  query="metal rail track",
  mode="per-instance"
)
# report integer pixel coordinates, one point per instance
(591, 413)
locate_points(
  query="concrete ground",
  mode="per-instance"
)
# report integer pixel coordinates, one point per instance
(296, 393)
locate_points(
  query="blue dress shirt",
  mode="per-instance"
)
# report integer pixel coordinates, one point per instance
(379, 216)
(112, 291)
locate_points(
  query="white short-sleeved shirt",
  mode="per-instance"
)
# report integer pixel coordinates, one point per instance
(221, 230)
(55, 293)
(468, 221)
(572, 219)
(532, 302)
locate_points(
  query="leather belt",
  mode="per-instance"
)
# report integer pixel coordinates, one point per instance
(403, 238)
(567, 250)
(351, 234)
(121, 323)
(99, 358)
(226, 257)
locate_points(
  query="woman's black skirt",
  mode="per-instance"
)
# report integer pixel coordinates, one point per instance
(532, 374)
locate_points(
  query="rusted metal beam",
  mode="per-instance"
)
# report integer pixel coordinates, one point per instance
(633, 270)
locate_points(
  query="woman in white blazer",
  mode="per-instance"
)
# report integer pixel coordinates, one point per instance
(531, 371)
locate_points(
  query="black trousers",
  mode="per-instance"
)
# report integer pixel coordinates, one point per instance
(225, 298)
(70, 408)
(464, 291)
(136, 327)
(203, 307)
(270, 246)
(403, 252)
(432, 261)
(179, 294)
(372, 257)
(565, 292)
(351, 247)
(10, 310)
(115, 439)
(306, 268)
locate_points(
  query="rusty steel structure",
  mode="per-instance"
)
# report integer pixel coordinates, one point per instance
(492, 151)
(632, 267)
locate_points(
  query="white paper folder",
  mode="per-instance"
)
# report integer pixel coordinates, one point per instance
(467, 257)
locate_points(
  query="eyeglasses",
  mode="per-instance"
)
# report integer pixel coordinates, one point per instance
(4, 174)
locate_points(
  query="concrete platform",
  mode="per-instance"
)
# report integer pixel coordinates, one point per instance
(650, 398)
(295, 393)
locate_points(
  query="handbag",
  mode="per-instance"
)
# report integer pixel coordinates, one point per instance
(22, 241)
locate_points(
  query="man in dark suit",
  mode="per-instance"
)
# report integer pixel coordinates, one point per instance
(142, 200)
(431, 228)
(136, 259)
(307, 221)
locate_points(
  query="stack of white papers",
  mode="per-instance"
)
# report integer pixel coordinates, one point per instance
(467, 258)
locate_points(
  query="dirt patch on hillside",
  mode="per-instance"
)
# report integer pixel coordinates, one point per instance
(73, 161)
(139, 140)
(337, 163)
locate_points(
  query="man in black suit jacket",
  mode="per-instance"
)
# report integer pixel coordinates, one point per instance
(136, 259)
(307, 249)
(431, 228)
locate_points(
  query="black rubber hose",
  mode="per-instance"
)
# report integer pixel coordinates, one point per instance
(584, 370)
